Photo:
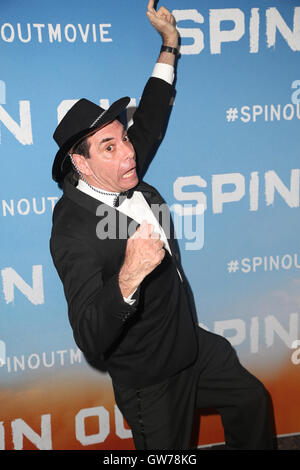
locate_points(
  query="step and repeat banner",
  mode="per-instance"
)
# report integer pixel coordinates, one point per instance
(228, 168)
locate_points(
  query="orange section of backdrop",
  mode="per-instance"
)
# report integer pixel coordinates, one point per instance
(62, 402)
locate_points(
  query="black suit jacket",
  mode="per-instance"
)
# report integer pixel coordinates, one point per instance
(155, 338)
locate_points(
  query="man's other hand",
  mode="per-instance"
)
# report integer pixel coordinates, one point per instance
(144, 252)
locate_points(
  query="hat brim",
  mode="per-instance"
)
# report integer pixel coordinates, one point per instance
(62, 165)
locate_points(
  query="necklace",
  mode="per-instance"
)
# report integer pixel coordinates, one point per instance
(116, 201)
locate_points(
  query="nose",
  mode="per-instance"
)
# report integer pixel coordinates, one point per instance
(127, 150)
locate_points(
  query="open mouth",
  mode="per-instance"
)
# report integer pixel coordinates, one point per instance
(129, 173)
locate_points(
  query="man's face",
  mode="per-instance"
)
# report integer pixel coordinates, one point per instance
(111, 165)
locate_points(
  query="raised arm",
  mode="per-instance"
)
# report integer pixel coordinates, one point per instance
(150, 117)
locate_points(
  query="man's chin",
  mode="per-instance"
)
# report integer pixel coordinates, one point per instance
(130, 184)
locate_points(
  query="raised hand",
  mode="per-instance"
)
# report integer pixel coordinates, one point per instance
(164, 23)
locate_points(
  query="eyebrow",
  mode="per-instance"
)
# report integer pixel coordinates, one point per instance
(108, 139)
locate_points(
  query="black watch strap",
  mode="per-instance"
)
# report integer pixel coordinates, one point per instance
(172, 50)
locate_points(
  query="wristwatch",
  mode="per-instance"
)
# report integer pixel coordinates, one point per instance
(172, 50)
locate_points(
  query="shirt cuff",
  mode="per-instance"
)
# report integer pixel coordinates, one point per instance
(164, 71)
(129, 300)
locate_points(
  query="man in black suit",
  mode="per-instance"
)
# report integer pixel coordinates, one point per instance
(127, 296)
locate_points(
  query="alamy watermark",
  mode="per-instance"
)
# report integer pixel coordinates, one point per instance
(183, 222)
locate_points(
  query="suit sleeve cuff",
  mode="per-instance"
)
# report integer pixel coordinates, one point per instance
(115, 304)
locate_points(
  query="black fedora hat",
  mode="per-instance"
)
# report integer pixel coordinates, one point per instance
(82, 119)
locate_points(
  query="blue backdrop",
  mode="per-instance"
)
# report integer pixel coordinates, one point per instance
(231, 147)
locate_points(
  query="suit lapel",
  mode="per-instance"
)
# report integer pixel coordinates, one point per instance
(152, 196)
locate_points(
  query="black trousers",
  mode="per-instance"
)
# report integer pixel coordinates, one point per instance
(162, 416)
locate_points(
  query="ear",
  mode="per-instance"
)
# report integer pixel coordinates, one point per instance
(82, 164)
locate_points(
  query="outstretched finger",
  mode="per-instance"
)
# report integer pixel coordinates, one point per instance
(150, 6)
